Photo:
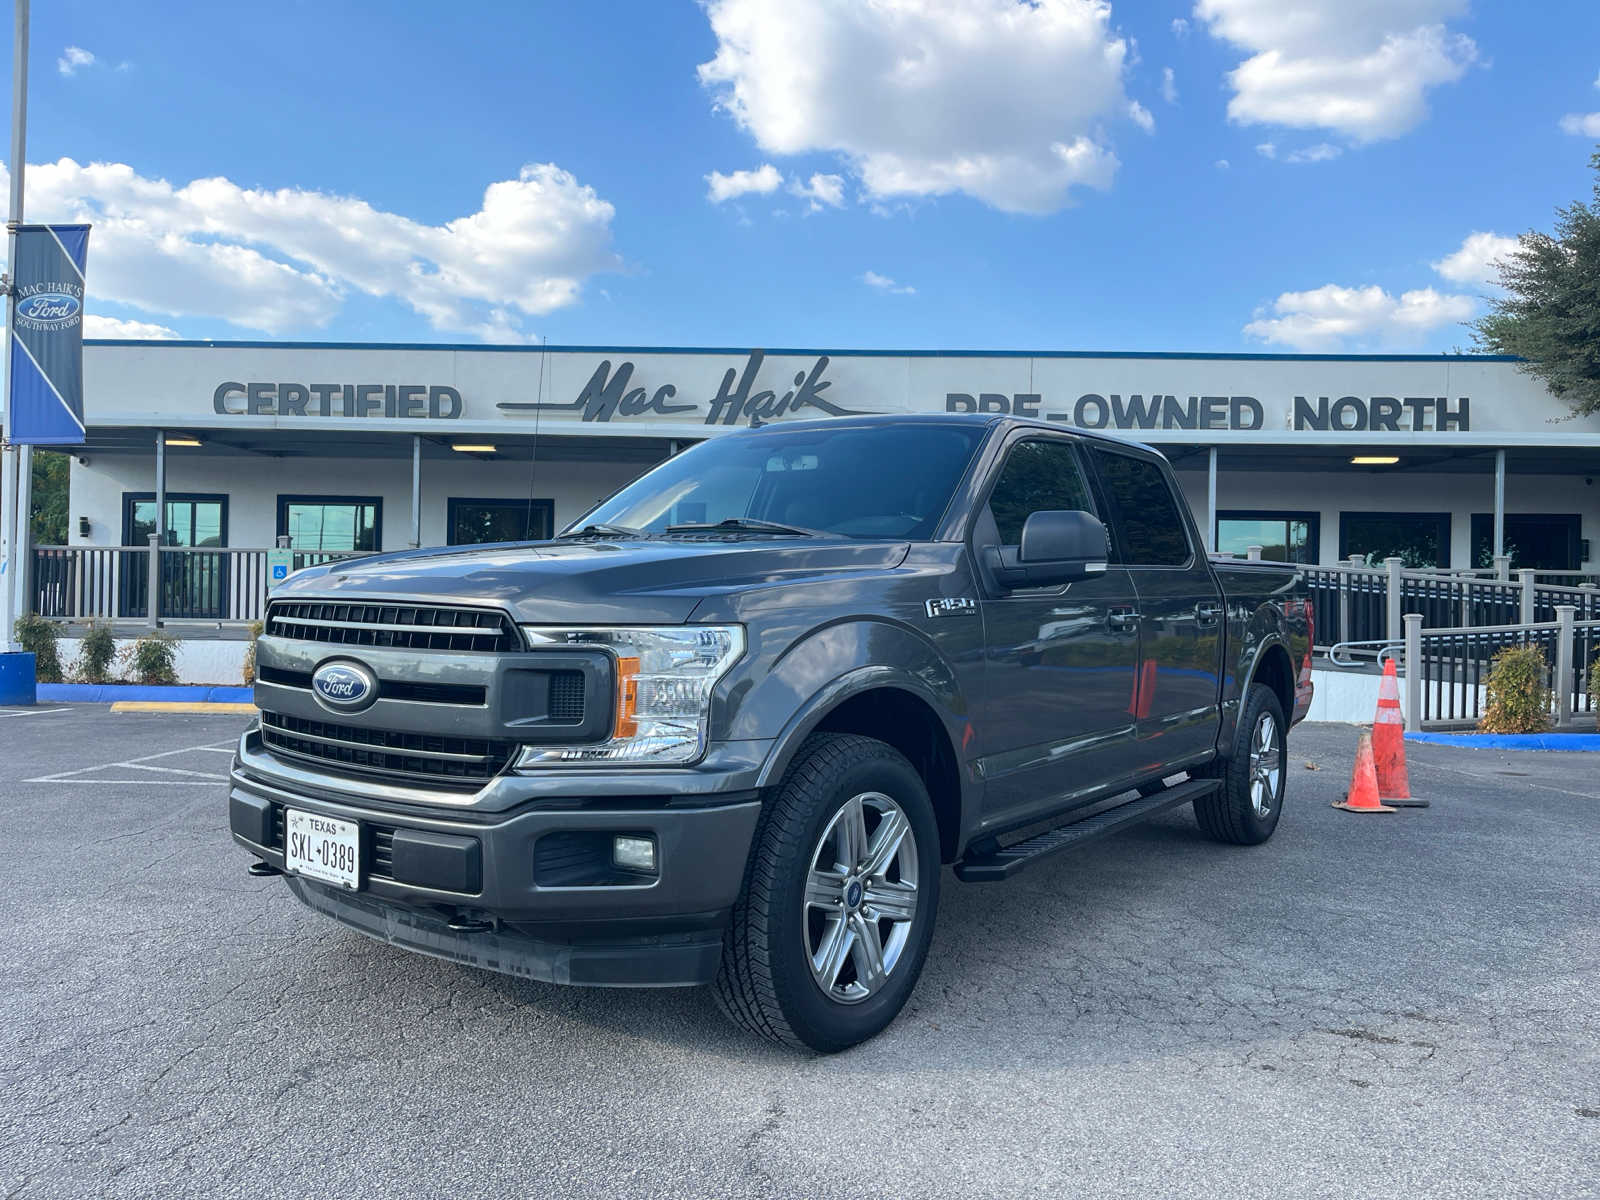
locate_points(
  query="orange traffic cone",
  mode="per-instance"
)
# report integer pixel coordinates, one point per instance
(1363, 793)
(1389, 744)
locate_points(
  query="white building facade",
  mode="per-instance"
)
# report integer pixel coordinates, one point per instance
(342, 447)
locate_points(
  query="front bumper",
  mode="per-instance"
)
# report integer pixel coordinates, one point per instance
(528, 890)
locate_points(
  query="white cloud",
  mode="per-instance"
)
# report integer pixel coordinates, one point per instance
(1180, 27)
(1321, 152)
(1141, 116)
(762, 181)
(283, 260)
(1331, 317)
(72, 58)
(96, 326)
(1475, 261)
(1222, 164)
(1584, 124)
(1169, 85)
(884, 284)
(1005, 101)
(1357, 67)
(1267, 150)
(820, 190)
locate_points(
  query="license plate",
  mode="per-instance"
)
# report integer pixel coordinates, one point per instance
(323, 848)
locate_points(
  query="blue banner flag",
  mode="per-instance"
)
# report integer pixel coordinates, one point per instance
(47, 335)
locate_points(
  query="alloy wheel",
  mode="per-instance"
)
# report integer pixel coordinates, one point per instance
(1266, 764)
(860, 898)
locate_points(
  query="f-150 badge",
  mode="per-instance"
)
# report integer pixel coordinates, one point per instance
(953, 606)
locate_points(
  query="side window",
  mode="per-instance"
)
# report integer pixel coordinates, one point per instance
(1150, 530)
(1038, 475)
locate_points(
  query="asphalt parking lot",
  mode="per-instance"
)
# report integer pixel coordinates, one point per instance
(1402, 1005)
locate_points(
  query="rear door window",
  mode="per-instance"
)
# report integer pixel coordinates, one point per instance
(1150, 532)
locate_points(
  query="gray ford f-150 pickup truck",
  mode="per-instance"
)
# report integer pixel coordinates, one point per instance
(729, 727)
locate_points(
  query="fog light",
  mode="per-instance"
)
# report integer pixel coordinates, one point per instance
(634, 853)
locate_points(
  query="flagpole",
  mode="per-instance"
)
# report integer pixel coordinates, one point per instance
(16, 520)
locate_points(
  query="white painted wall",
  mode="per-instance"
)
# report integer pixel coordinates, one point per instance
(1358, 490)
(253, 484)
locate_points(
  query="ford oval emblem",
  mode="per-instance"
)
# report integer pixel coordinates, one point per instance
(51, 309)
(344, 686)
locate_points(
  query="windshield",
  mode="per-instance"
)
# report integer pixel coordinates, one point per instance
(872, 481)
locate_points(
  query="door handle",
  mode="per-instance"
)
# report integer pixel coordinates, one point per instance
(1123, 620)
(1207, 614)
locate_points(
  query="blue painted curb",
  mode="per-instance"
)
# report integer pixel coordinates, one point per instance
(106, 693)
(1505, 741)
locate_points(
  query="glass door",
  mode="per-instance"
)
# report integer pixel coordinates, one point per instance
(193, 586)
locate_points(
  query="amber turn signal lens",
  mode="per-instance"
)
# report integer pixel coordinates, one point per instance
(627, 698)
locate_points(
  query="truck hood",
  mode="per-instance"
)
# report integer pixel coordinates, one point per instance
(645, 582)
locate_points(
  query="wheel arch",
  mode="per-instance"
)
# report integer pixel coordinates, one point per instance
(881, 703)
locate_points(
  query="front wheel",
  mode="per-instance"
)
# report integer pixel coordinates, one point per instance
(1245, 809)
(834, 922)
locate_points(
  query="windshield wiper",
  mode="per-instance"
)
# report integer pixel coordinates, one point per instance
(748, 525)
(603, 530)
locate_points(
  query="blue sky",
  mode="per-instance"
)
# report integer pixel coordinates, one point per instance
(988, 160)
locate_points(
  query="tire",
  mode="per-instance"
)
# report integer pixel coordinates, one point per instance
(795, 904)
(1245, 810)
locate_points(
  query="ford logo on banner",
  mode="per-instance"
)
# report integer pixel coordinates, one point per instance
(53, 310)
(344, 686)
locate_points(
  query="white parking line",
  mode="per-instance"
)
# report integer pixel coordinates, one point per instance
(135, 764)
(31, 712)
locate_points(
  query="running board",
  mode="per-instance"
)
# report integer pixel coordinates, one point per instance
(1002, 864)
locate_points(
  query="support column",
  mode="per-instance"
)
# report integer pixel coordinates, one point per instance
(1499, 504)
(1414, 684)
(416, 492)
(8, 504)
(22, 560)
(1566, 614)
(1395, 588)
(11, 523)
(1211, 500)
(161, 487)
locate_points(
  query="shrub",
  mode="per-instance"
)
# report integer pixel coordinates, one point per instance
(250, 654)
(1518, 692)
(154, 659)
(38, 637)
(96, 654)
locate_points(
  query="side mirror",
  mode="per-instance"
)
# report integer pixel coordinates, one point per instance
(1057, 546)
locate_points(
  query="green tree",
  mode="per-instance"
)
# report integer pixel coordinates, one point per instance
(1550, 313)
(49, 509)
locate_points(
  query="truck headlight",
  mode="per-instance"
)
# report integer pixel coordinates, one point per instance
(664, 674)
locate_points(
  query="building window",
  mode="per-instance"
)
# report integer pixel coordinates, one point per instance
(193, 519)
(1149, 528)
(473, 522)
(331, 522)
(1539, 541)
(1283, 536)
(1418, 539)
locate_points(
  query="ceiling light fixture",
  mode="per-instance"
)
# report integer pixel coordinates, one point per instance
(183, 441)
(1374, 460)
(472, 448)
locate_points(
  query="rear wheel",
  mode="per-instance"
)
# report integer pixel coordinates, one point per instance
(1246, 808)
(832, 928)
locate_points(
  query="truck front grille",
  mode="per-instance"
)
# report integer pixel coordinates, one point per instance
(463, 763)
(401, 626)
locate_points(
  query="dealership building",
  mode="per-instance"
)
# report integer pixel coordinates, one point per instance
(353, 447)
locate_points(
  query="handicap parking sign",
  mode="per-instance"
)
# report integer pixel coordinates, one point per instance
(279, 564)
